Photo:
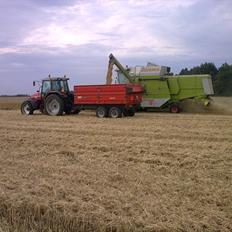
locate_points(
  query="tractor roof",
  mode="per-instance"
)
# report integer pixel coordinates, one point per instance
(56, 79)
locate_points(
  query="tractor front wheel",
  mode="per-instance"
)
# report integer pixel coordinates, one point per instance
(26, 108)
(54, 105)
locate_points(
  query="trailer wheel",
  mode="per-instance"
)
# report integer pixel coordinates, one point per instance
(101, 112)
(54, 105)
(125, 113)
(131, 112)
(115, 112)
(174, 109)
(76, 111)
(26, 108)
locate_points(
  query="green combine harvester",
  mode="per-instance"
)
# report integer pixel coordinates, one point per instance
(162, 90)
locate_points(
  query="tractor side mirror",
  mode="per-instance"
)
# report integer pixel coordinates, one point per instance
(33, 83)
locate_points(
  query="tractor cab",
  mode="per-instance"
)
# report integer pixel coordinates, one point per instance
(54, 84)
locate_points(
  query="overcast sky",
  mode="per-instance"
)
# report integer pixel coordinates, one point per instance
(75, 37)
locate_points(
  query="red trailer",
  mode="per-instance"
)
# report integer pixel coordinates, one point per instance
(108, 100)
(55, 98)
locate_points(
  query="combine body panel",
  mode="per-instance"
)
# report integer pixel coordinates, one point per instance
(190, 86)
(163, 91)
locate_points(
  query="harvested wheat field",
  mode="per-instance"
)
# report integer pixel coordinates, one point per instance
(11, 103)
(152, 172)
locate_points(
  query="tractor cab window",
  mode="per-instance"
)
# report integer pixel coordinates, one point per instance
(66, 89)
(57, 85)
(46, 87)
(60, 85)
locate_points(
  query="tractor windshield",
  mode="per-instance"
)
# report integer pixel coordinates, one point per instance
(46, 87)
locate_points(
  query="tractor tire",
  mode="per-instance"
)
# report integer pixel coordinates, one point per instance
(174, 109)
(27, 108)
(101, 112)
(115, 112)
(54, 105)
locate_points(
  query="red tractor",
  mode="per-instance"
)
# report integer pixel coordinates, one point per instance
(55, 98)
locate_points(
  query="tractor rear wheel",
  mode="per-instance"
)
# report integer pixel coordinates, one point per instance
(54, 105)
(26, 108)
(174, 109)
(115, 112)
(101, 112)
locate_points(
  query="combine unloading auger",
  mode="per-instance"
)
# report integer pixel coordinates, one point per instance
(113, 61)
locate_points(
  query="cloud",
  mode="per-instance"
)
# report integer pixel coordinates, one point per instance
(76, 37)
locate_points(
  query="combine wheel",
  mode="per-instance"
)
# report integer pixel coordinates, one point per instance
(26, 108)
(101, 112)
(115, 112)
(54, 105)
(174, 109)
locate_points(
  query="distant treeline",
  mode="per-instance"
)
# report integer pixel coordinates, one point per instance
(17, 95)
(222, 76)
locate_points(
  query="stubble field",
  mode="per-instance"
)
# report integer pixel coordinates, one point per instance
(152, 172)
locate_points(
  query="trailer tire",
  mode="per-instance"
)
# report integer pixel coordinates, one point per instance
(131, 112)
(174, 109)
(54, 105)
(101, 112)
(125, 113)
(115, 112)
(26, 108)
(76, 111)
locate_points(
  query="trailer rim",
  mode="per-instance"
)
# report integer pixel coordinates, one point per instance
(101, 112)
(115, 112)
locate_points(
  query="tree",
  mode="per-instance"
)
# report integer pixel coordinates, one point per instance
(223, 82)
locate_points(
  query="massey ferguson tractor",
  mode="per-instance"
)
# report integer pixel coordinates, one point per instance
(55, 98)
